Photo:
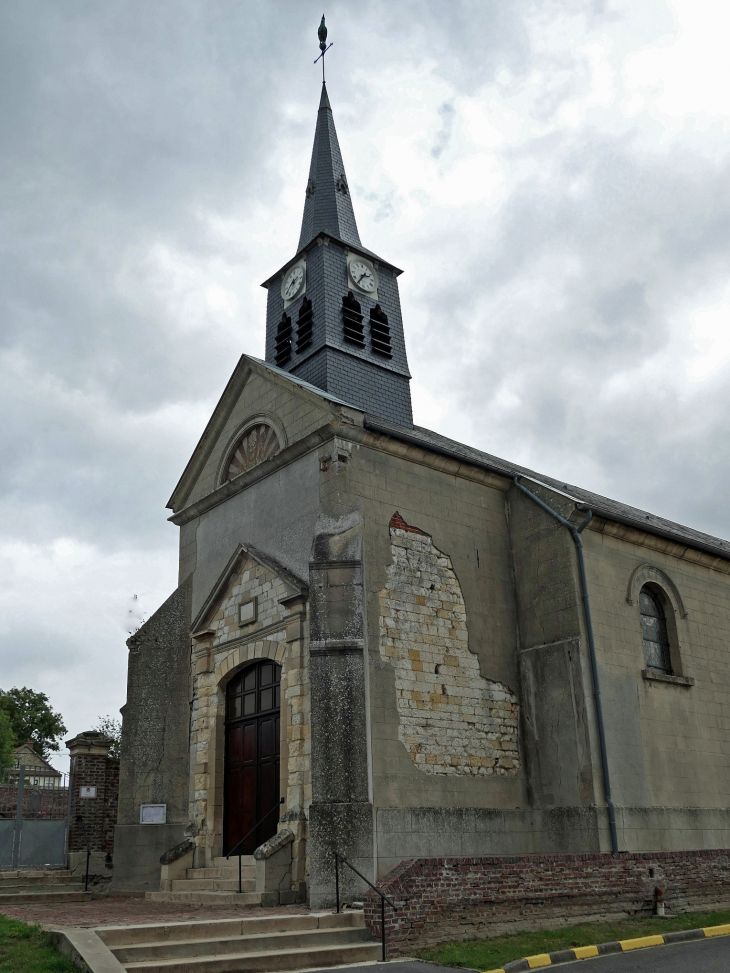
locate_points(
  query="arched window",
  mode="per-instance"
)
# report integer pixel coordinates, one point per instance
(654, 631)
(304, 325)
(353, 327)
(380, 332)
(282, 347)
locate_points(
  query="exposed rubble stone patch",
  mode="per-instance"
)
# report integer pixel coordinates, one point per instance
(451, 719)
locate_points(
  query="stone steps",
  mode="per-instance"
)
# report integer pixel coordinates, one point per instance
(274, 961)
(247, 861)
(44, 895)
(269, 943)
(247, 871)
(28, 877)
(204, 897)
(259, 945)
(213, 884)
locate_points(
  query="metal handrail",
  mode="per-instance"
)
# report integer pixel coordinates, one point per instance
(80, 820)
(248, 834)
(383, 897)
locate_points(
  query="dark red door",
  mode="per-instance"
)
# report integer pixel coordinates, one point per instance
(251, 785)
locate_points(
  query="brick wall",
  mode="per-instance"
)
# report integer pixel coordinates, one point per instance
(99, 814)
(460, 898)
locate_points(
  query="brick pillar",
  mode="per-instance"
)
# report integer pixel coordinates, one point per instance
(92, 817)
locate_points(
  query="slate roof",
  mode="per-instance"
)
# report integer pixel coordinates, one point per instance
(327, 208)
(603, 506)
(300, 381)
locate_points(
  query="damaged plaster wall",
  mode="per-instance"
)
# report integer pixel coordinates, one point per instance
(451, 719)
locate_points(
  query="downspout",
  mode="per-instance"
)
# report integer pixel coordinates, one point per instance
(575, 533)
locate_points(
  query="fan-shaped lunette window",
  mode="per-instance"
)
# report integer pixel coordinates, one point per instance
(257, 444)
(654, 631)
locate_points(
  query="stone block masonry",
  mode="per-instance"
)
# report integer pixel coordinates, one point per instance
(451, 719)
(460, 898)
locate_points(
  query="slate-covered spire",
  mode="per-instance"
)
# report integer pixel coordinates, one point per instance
(328, 206)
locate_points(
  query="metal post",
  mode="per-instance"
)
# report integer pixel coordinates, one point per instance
(18, 816)
(337, 881)
(382, 924)
(68, 808)
(240, 886)
(88, 856)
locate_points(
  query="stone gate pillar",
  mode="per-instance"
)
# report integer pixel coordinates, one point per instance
(94, 787)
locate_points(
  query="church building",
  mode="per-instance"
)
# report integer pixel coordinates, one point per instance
(392, 645)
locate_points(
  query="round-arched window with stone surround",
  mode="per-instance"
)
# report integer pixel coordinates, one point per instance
(258, 443)
(654, 630)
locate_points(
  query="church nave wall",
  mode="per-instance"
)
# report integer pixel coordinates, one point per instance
(669, 742)
(451, 719)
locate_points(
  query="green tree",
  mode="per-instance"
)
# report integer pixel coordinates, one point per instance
(31, 718)
(7, 743)
(113, 729)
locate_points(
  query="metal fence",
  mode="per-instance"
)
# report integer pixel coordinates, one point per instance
(33, 822)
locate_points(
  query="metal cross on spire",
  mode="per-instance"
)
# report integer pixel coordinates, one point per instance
(323, 46)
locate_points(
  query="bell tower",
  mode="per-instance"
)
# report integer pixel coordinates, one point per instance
(333, 315)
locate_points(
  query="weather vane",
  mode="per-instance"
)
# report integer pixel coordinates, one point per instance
(323, 46)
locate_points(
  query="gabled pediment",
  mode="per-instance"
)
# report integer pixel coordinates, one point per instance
(259, 400)
(253, 592)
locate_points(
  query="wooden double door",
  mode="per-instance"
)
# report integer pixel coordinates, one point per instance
(252, 757)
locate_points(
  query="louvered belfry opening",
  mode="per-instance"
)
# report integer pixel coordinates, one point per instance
(354, 329)
(380, 332)
(282, 348)
(304, 325)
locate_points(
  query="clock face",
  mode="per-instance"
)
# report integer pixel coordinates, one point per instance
(363, 276)
(293, 283)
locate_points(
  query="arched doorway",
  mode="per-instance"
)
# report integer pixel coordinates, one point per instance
(251, 780)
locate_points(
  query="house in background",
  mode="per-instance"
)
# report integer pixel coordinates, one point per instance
(38, 771)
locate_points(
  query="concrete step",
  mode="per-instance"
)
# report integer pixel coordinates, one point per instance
(54, 888)
(12, 898)
(247, 861)
(272, 961)
(219, 872)
(267, 943)
(202, 897)
(222, 928)
(23, 877)
(212, 885)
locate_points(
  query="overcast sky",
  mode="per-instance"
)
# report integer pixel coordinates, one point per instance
(554, 178)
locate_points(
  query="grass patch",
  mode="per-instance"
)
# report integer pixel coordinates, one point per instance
(28, 949)
(489, 954)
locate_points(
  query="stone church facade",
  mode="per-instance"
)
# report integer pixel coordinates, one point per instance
(382, 642)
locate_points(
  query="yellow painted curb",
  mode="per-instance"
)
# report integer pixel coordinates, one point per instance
(584, 952)
(627, 944)
(711, 931)
(538, 960)
(500, 970)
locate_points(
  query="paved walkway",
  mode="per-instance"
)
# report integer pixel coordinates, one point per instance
(120, 910)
